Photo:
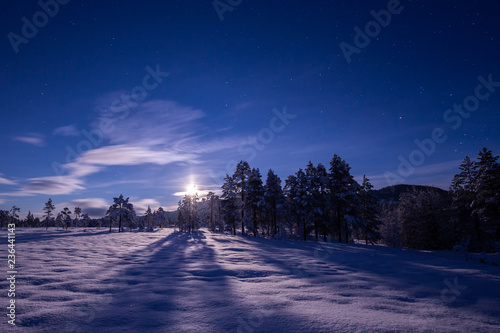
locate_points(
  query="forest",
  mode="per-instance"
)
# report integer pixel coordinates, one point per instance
(320, 203)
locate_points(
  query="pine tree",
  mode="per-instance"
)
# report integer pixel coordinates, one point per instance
(476, 197)
(59, 221)
(255, 199)
(122, 211)
(369, 212)
(317, 179)
(14, 216)
(240, 178)
(300, 200)
(391, 228)
(486, 204)
(159, 217)
(229, 204)
(462, 191)
(86, 220)
(343, 188)
(274, 201)
(48, 209)
(188, 210)
(148, 218)
(4, 218)
(78, 213)
(213, 203)
(30, 220)
(423, 216)
(66, 218)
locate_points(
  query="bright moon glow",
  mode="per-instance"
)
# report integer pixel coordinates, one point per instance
(191, 189)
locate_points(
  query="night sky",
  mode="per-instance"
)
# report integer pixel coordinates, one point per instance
(146, 98)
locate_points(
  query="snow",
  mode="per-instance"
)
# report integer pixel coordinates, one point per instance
(93, 281)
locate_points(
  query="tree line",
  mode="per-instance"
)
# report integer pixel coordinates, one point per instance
(328, 203)
(321, 203)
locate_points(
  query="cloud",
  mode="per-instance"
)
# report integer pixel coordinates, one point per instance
(130, 155)
(156, 132)
(69, 130)
(52, 185)
(141, 206)
(160, 121)
(94, 207)
(32, 139)
(6, 181)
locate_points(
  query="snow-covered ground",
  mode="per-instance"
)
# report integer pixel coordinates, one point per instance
(93, 281)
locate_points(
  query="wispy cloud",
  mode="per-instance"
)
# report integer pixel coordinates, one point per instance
(32, 139)
(130, 155)
(95, 207)
(69, 130)
(141, 206)
(6, 181)
(156, 132)
(53, 185)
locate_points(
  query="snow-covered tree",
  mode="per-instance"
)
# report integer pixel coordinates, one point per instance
(486, 204)
(476, 197)
(85, 220)
(274, 202)
(391, 227)
(240, 178)
(343, 205)
(300, 200)
(229, 202)
(48, 209)
(122, 211)
(4, 218)
(423, 216)
(59, 221)
(30, 220)
(159, 217)
(369, 213)
(254, 200)
(188, 213)
(78, 213)
(149, 219)
(14, 216)
(66, 217)
(317, 179)
(213, 210)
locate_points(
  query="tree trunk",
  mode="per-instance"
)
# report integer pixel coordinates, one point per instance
(339, 225)
(346, 227)
(316, 231)
(304, 227)
(120, 224)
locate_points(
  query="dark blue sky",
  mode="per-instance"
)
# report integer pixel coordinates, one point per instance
(269, 83)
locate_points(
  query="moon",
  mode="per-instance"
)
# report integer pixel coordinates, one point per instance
(191, 189)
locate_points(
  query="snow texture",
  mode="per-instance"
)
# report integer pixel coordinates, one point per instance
(93, 281)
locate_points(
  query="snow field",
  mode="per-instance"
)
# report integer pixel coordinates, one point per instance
(93, 281)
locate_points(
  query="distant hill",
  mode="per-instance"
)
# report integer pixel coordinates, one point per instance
(392, 193)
